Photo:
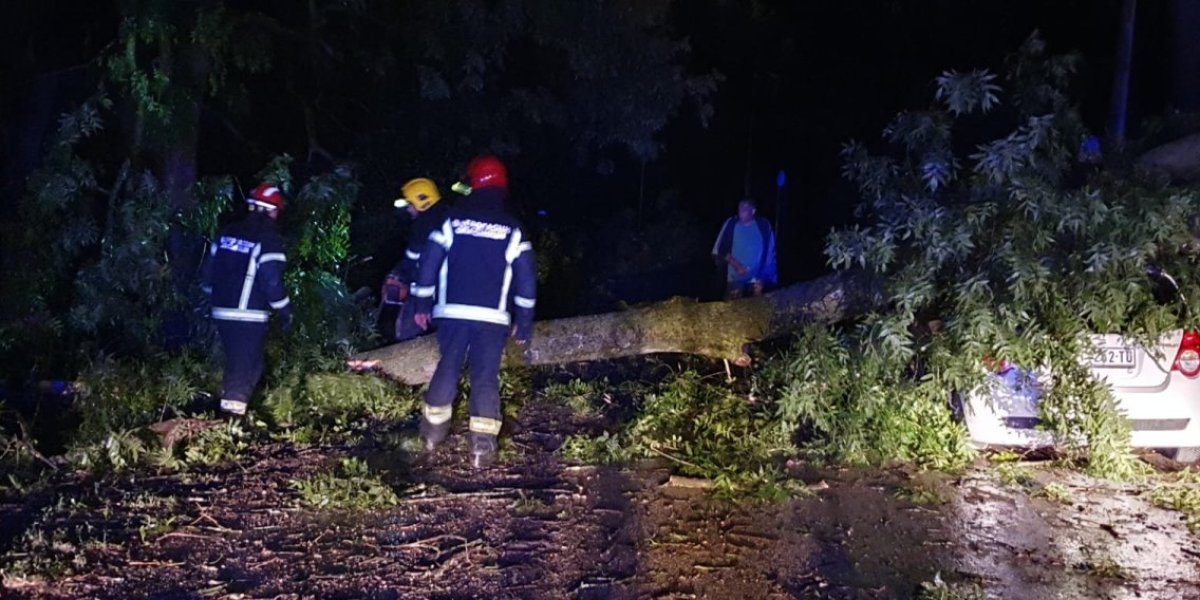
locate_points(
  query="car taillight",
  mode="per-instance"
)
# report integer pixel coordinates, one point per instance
(1187, 360)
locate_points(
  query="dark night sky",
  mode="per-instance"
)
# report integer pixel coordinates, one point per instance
(799, 80)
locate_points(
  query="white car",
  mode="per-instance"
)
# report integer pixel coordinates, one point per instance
(1157, 389)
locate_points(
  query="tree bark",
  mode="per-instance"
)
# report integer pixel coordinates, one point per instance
(714, 329)
(1178, 160)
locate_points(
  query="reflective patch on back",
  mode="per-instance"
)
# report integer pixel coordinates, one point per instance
(473, 228)
(233, 244)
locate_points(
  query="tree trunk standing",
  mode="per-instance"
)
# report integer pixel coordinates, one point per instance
(178, 170)
(1185, 50)
(1119, 114)
(713, 329)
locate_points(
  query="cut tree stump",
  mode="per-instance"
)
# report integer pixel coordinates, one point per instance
(715, 329)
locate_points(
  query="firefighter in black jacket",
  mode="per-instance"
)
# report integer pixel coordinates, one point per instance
(479, 264)
(419, 197)
(244, 275)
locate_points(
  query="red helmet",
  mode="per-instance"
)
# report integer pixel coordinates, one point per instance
(266, 195)
(487, 171)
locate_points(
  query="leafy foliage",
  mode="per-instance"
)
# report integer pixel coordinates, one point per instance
(20, 463)
(351, 487)
(323, 403)
(604, 448)
(59, 227)
(1012, 474)
(1054, 491)
(582, 397)
(586, 56)
(861, 408)
(1181, 494)
(98, 291)
(330, 322)
(705, 430)
(217, 445)
(940, 589)
(42, 552)
(169, 57)
(964, 93)
(115, 396)
(1003, 253)
(116, 451)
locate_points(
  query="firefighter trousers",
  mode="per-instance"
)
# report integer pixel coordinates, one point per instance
(244, 344)
(480, 346)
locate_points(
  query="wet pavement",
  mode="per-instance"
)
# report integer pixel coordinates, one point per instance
(535, 526)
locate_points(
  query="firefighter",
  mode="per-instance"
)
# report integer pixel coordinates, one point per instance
(419, 198)
(243, 274)
(479, 265)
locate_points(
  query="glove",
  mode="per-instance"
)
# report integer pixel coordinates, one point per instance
(422, 319)
(523, 334)
(285, 320)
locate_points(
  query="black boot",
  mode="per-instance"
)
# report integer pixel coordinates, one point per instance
(483, 450)
(432, 434)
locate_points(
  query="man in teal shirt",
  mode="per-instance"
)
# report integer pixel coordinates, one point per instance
(746, 248)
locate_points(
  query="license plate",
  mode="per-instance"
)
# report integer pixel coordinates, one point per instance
(1114, 357)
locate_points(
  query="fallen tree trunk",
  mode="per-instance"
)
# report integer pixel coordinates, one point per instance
(1179, 160)
(714, 329)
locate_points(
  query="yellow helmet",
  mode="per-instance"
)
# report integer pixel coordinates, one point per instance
(420, 193)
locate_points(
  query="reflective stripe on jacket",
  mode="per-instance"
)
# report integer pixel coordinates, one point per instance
(244, 271)
(478, 265)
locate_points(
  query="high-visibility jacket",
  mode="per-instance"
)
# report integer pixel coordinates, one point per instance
(243, 271)
(479, 266)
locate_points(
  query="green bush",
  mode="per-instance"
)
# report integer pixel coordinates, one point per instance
(704, 430)
(97, 288)
(352, 486)
(332, 402)
(1181, 493)
(216, 445)
(119, 395)
(860, 409)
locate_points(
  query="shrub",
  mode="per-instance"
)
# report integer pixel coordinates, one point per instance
(860, 408)
(351, 487)
(704, 430)
(1014, 251)
(332, 402)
